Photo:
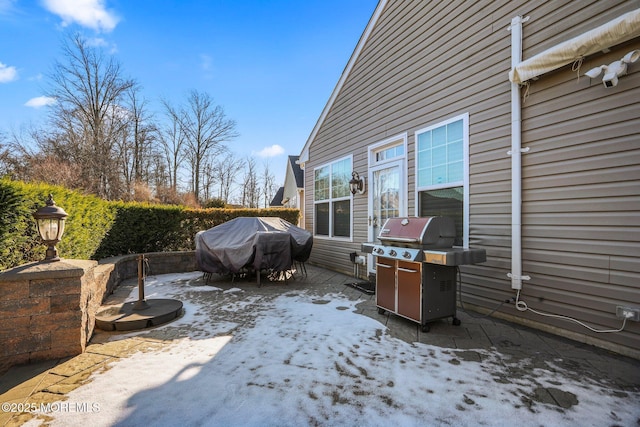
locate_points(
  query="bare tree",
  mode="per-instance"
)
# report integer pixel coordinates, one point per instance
(173, 140)
(206, 129)
(268, 183)
(161, 177)
(88, 87)
(6, 157)
(250, 190)
(144, 135)
(26, 160)
(136, 145)
(226, 169)
(208, 179)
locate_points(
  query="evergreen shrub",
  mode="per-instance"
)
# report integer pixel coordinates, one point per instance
(97, 229)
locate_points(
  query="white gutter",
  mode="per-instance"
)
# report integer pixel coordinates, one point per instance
(516, 159)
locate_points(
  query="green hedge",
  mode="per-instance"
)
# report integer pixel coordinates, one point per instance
(97, 229)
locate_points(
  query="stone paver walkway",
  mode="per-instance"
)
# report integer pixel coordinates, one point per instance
(30, 387)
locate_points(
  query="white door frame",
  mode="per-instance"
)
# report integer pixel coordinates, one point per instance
(401, 162)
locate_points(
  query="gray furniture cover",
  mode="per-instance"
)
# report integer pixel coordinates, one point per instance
(261, 243)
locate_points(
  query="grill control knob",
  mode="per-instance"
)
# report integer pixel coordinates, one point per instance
(406, 254)
(393, 253)
(379, 251)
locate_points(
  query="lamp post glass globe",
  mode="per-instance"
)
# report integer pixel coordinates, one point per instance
(50, 221)
(356, 184)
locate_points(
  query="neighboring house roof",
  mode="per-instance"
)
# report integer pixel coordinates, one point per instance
(297, 171)
(277, 199)
(304, 154)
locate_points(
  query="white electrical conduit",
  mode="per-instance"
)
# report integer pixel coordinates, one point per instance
(516, 159)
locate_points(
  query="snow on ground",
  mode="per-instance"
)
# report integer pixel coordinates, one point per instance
(298, 359)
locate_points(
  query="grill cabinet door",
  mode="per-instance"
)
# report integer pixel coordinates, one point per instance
(439, 294)
(409, 290)
(386, 283)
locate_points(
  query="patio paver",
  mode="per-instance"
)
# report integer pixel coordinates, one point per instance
(522, 348)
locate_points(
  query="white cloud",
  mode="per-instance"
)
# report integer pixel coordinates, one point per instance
(7, 74)
(97, 42)
(88, 13)
(6, 6)
(102, 43)
(206, 62)
(40, 101)
(272, 151)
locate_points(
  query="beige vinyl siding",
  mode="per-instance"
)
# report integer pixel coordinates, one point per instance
(553, 22)
(425, 62)
(408, 77)
(581, 197)
(581, 189)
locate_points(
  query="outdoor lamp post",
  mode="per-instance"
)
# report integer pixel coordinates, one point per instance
(50, 222)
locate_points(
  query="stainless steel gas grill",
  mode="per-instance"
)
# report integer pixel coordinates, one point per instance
(416, 266)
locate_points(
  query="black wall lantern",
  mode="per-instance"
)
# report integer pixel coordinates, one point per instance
(356, 184)
(50, 222)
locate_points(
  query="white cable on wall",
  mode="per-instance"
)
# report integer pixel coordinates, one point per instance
(522, 306)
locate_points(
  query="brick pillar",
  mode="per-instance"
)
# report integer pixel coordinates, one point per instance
(47, 310)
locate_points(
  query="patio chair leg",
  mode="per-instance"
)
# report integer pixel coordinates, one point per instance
(303, 269)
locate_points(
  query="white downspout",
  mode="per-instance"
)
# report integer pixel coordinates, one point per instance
(516, 183)
(516, 155)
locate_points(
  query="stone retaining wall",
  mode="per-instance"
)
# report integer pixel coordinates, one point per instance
(47, 310)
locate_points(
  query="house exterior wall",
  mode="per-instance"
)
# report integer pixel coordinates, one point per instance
(581, 196)
(293, 194)
(290, 189)
(425, 62)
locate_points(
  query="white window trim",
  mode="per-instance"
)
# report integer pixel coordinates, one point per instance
(389, 142)
(330, 200)
(465, 181)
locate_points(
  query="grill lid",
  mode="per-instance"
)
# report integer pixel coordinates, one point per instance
(424, 232)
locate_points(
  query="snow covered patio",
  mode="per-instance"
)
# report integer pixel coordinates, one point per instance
(316, 352)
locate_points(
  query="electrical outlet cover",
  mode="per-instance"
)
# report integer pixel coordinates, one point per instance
(621, 310)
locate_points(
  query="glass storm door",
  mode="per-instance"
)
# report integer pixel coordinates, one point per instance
(386, 199)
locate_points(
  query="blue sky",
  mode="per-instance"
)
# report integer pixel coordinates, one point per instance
(271, 64)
